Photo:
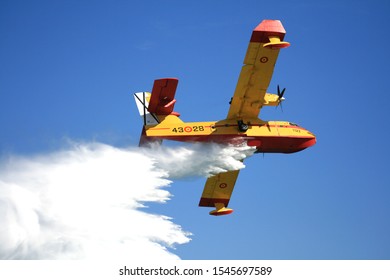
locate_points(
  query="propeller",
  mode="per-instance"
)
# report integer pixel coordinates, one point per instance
(280, 97)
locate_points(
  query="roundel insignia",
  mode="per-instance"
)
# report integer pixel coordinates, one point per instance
(223, 185)
(188, 129)
(264, 59)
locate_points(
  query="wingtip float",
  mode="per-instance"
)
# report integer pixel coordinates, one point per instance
(242, 121)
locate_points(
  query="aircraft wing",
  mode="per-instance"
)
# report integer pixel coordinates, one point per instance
(263, 50)
(217, 192)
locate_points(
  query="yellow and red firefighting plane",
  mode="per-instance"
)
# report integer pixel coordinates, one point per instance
(242, 124)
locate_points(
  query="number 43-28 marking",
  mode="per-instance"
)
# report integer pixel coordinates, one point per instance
(188, 129)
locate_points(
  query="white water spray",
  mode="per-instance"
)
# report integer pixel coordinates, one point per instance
(86, 202)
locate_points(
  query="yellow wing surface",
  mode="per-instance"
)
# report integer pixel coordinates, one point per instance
(217, 192)
(263, 50)
(249, 97)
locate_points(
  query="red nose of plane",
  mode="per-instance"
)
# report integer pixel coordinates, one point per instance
(307, 142)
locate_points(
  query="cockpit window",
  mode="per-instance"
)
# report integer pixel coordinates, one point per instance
(293, 124)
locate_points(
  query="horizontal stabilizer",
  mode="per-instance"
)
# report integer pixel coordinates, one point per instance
(163, 99)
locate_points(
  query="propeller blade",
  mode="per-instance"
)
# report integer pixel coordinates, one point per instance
(281, 106)
(280, 97)
(280, 93)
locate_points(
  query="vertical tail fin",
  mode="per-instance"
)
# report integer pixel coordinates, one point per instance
(142, 101)
(154, 107)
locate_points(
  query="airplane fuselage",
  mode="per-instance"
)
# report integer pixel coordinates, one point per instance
(266, 136)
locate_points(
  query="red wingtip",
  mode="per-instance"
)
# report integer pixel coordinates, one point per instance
(270, 25)
(268, 28)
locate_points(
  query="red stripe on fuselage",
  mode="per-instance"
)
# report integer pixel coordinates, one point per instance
(260, 125)
(269, 144)
(159, 128)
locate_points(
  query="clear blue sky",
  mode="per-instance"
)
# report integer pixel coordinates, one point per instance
(68, 69)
